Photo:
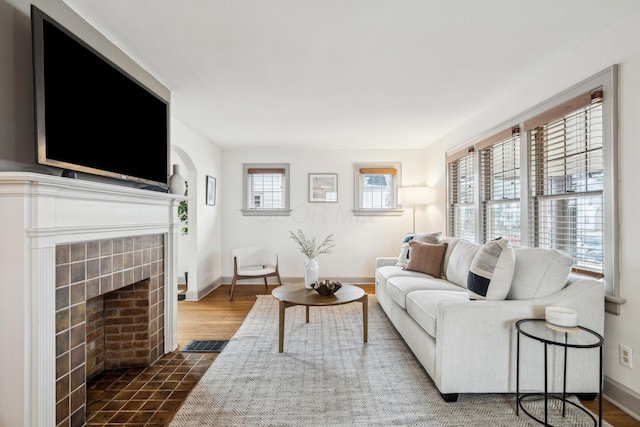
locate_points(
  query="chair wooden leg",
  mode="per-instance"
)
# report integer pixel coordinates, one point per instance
(266, 285)
(233, 284)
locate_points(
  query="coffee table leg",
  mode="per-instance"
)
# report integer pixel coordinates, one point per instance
(307, 307)
(365, 316)
(281, 330)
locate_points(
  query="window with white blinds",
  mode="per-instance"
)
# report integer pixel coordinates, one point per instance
(555, 185)
(500, 185)
(377, 189)
(461, 181)
(266, 189)
(567, 180)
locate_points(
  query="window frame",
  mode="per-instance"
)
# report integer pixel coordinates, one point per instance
(359, 210)
(486, 173)
(466, 154)
(607, 81)
(246, 194)
(582, 149)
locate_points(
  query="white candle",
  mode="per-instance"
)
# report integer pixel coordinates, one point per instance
(561, 316)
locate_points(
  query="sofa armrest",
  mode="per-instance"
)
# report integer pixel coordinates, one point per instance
(477, 339)
(386, 261)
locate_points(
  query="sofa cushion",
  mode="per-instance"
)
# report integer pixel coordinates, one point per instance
(385, 273)
(451, 243)
(491, 271)
(539, 272)
(403, 258)
(426, 258)
(422, 306)
(399, 287)
(460, 262)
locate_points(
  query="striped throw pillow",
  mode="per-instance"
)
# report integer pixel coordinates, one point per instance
(491, 271)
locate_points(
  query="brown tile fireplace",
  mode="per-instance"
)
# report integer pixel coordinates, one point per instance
(66, 242)
(109, 313)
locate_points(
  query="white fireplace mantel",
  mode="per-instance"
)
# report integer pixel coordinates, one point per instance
(38, 212)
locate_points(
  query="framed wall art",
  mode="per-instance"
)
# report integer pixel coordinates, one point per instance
(323, 187)
(211, 191)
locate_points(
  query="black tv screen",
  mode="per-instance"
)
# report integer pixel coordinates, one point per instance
(91, 116)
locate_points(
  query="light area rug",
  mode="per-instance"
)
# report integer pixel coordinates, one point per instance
(327, 376)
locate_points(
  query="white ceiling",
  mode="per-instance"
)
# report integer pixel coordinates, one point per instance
(342, 73)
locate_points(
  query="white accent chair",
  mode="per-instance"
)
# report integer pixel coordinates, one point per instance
(252, 263)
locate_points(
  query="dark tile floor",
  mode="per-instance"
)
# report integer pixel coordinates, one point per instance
(149, 397)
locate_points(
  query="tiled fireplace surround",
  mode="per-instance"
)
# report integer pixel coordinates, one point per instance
(63, 242)
(109, 313)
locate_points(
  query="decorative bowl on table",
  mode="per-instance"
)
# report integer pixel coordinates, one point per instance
(326, 287)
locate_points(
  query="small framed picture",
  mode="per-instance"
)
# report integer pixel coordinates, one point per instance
(211, 190)
(323, 187)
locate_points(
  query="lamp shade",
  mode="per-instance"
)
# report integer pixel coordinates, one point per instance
(413, 195)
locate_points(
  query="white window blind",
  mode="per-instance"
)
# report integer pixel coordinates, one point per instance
(461, 178)
(567, 180)
(500, 185)
(266, 188)
(377, 189)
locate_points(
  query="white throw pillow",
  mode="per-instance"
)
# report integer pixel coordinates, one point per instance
(491, 271)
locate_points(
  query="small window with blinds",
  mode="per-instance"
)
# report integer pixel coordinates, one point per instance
(500, 185)
(567, 180)
(377, 189)
(266, 189)
(461, 203)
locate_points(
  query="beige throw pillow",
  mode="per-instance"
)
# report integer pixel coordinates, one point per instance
(427, 258)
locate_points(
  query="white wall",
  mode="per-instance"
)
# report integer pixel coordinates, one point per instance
(436, 180)
(359, 240)
(200, 250)
(617, 44)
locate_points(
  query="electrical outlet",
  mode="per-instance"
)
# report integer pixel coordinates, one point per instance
(626, 356)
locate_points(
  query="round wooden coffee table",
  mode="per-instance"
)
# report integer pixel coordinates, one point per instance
(297, 294)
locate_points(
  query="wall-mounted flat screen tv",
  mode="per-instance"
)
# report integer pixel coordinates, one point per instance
(91, 116)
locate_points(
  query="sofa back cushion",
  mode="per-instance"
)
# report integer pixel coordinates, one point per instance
(451, 243)
(491, 271)
(539, 272)
(459, 263)
(426, 258)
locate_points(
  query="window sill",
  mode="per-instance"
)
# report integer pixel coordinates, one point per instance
(612, 304)
(266, 212)
(373, 212)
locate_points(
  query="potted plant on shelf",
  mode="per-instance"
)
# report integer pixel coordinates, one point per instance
(183, 211)
(308, 247)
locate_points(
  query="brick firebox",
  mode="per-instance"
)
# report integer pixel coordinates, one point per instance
(117, 329)
(124, 278)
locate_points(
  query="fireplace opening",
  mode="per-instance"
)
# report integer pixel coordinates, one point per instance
(117, 330)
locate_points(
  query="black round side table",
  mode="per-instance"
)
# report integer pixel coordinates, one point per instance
(579, 338)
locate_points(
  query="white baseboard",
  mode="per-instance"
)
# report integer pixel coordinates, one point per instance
(622, 397)
(197, 295)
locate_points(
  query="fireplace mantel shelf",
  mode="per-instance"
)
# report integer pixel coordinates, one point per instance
(38, 213)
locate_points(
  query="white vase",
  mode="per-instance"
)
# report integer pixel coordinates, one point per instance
(176, 182)
(311, 269)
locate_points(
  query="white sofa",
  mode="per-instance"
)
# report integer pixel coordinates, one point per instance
(469, 346)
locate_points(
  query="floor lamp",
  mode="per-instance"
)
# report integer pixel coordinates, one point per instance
(413, 196)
